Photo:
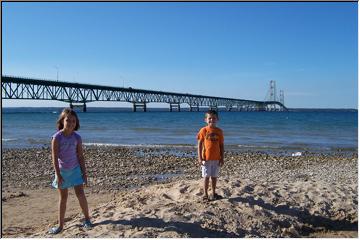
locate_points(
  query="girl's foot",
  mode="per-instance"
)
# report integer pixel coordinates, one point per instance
(55, 230)
(87, 224)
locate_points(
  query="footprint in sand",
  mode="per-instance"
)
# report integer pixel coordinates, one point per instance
(249, 188)
(108, 214)
(164, 195)
(226, 192)
(110, 207)
(183, 189)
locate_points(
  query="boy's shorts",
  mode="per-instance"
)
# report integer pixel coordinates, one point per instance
(210, 168)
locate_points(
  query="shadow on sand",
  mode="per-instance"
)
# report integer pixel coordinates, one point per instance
(192, 230)
(303, 216)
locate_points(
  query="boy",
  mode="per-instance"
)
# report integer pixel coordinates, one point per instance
(210, 152)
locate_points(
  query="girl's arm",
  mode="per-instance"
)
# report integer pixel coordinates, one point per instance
(55, 160)
(200, 149)
(82, 161)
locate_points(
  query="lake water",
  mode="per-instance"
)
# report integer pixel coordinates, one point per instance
(295, 131)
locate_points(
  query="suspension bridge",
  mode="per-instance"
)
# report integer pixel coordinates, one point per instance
(79, 94)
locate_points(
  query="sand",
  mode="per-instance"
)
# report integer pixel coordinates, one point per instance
(265, 195)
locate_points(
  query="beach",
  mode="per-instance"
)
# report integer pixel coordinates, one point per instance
(156, 192)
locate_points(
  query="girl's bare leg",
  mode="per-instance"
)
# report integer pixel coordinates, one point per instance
(80, 194)
(63, 194)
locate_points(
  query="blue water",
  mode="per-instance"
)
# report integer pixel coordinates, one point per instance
(311, 130)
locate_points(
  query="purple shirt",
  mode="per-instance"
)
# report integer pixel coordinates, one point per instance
(67, 149)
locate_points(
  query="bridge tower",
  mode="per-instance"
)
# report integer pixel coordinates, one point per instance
(271, 95)
(282, 97)
(272, 90)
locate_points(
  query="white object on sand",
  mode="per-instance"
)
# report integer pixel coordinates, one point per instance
(297, 154)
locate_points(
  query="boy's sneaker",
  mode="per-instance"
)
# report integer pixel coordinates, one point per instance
(217, 196)
(205, 198)
(87, 224)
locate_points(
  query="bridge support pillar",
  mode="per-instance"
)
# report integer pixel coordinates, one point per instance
(137, 105)
(194, 108)
(240, 108)
(261, 108)
(245, 108)
(229, 108)
(174, 106)
(213, 107)
(72, 106)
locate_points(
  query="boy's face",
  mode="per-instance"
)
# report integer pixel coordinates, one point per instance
(211, 120)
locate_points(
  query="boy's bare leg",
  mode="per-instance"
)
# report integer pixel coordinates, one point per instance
(213, 185)
(206, 186)
(63, 194)
(80, 194)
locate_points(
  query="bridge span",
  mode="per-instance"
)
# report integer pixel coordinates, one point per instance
(78, 94)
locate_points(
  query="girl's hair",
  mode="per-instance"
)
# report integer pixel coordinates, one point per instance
(66, 112)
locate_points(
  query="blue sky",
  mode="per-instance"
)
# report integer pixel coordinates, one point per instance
(230, 49)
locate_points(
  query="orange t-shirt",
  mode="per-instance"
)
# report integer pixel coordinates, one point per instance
(212, 138)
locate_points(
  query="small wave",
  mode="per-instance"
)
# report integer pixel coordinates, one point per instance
(144, 129)
(257, 146)
(37, 141)
(139, 145)
(9, 139)
(103, 144)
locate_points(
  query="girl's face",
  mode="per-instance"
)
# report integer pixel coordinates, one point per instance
(69, 123)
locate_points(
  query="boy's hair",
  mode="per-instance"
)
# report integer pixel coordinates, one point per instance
(66, 112)
(212, 112)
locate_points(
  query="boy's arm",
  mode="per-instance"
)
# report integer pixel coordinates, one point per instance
(200, 147)
(222, 154)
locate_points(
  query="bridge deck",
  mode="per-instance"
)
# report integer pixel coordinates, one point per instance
(29, 88)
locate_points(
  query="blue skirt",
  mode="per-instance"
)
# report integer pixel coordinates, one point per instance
(72, 177)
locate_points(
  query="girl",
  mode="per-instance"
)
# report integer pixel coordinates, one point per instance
(69, 165)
